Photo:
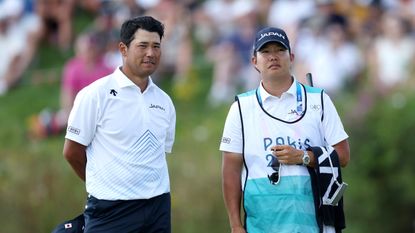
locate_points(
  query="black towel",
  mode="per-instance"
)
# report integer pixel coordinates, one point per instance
(324, 186)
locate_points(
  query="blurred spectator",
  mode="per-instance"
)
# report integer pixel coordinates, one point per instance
(221, 14)
(404, 8)
(92, 6)
(214, 20)
(107, 25)
(263, 11)
(392, 56)
(19, 34)
(226, 30)
(122, 9)
(288, 14)
(128, 9)
(177, 42)
(364, 21)
(231, 57)
(85, 67)
(333, 59)
(56, 18)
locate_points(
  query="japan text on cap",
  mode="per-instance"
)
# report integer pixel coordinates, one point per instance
(271, 34)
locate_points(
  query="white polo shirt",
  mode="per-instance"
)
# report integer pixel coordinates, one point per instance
(127, 134)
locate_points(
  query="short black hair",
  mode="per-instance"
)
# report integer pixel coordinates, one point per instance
(148, 23)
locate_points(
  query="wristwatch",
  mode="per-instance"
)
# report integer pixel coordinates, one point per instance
(306, 158)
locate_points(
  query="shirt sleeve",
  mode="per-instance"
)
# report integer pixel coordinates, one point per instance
(232, 132)
(83, 118)
(171, 130)
(332, 125)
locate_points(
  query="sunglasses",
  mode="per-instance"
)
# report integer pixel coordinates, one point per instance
(274, 178)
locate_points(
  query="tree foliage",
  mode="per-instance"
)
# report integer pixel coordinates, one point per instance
(381, 172)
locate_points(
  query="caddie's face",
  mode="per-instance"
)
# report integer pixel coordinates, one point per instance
(273, 60)
(142, 57)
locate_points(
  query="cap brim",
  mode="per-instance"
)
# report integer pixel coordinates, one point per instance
(271, 41)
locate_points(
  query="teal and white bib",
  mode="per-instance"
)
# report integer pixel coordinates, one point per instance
(286, 207)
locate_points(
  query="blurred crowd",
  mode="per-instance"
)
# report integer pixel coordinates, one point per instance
(364, 47)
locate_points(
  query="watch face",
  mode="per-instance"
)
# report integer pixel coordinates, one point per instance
(306, 158)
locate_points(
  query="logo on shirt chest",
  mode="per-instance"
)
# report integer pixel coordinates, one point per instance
(293, 112)
(113, 92)
(293, 115)
(155, 106)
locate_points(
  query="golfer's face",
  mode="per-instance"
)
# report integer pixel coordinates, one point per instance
(143, 54)
(272, 59)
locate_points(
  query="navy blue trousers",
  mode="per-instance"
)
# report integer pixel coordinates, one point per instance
(131, 216)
